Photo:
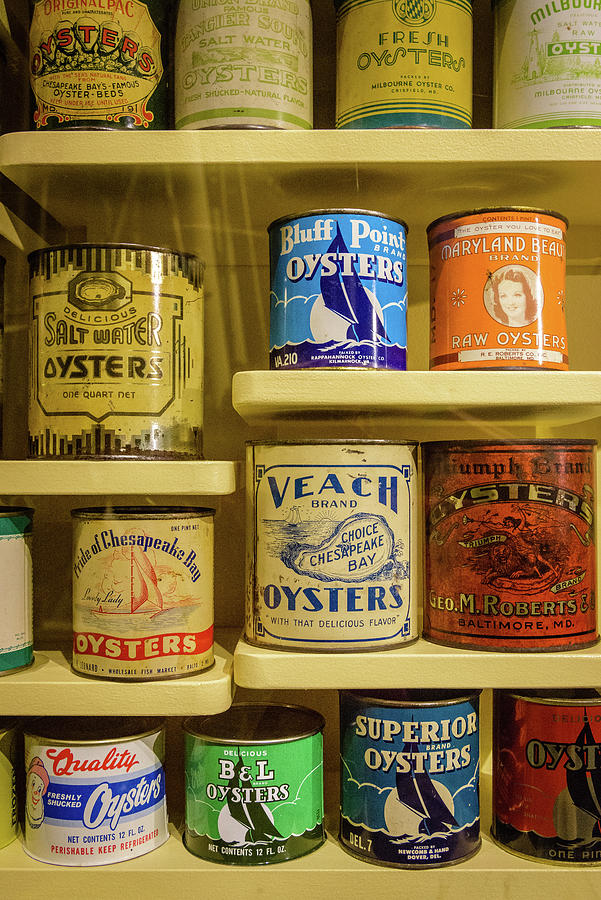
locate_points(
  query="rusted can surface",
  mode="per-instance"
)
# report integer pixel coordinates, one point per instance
(510, 544)
(498, 290)
(9, 820)
(547, 774)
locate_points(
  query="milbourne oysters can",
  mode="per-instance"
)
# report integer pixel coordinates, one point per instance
(338, 290)
(9, 820)
(16, 588)
(95, 789)
(254, 784)
(332, 545)
(142, 591)
(409, 776)
(116, 356)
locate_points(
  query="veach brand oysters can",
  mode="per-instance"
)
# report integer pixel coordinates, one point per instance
(409, 776)
(498, 290)
(404, 65)
(244, 66)
(95, 790)
(332, 545)
(510, 544)
(338, 290)
(16, 582)
(116, 367)
(546, 64)
(547, 774)
(254, 784)
(9, 820)
(142, 592)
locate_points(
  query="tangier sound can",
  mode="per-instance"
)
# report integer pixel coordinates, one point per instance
(338, 291)
(142, 591)
(332, 539)
(498, 290)
(409, 776)
(510, 538)
(116, 361)
(9, 820)
(16, 580)
(254, 784)
(547, 774)
(95, 789)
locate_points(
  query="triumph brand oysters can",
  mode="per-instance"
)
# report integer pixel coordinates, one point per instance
(16, 588)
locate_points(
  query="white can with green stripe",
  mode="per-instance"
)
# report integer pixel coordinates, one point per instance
(16, 605)
(404, 64)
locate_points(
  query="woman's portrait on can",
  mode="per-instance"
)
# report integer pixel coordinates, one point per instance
(513, 296)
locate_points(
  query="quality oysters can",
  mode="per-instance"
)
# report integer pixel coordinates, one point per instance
(16, 586)
(95, 789)
(116, 361)
(409, 776)
(332, 545)
(338, 290)
(498, 290)
(510, 544)
(254, 784)
(9, 820)
(547, 774)
(142, 592)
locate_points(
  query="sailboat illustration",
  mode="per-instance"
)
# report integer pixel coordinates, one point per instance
(244, 821)
(294, 517)
(144, 590)
(584, 785)
(417, 792)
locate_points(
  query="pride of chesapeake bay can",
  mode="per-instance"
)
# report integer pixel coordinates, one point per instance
(547, 774)
(16, 580)
(244, 65)
(95, 789)
(409, 776)
(99, 64)
(338, 290)
(498, 290)
(9, 820)
(510, 544)
(254, 784)
(332, 545)
(116, 361)
(142, 592)
(404, 64)
(546, 64)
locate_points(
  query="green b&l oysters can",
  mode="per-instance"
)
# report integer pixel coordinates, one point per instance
(254, 784)
(16, 578)
(8, 794)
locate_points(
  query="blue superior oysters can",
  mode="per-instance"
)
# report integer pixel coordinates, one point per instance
(338, 291)
(332, 545)
(409, 776)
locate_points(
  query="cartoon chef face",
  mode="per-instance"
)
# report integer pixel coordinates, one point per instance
(37, 785)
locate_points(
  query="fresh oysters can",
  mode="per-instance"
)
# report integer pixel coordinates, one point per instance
(16, 584)
(510, 544)
(409, 776)
(95, 789)
(338, 290)
(9, 820)
(116, 361)
(142, 592)
(547, 774)
(254, 784)
(332, 552)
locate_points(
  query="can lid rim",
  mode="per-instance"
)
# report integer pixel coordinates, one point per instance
(191, 725)
(112, 245)
(446, 697)
(496, 209)
(140, 512)
(334, 211)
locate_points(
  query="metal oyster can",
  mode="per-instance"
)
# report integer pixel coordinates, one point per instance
(95, 789)
(510, 544)
(332, 545)
(498, 290)
(547, 774)
(142, 592)
(254, 784)
(244, 66)
(338, 290)
(16, 584)
(116, 361)
(9, 820)
(99, 65)
(409, 776)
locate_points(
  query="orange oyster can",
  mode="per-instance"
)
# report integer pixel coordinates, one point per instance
(497, 290)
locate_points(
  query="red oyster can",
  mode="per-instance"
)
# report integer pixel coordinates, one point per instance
(547, 775)
(510, 555)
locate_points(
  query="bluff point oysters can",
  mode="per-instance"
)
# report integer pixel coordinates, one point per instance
(332, 545)
(9, 820)
(16, 588)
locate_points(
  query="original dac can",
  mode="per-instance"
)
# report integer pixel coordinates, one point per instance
(16, 582)
(254, 784)
(99, 65)
(95, 789)
(338, 290)
(403, 65)
(142, 592)
(498, 290)
(116, 361)
(510, 544)
(244, 67)
(547, 774)
(332, 552)
(409, 776)
(9, 820)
